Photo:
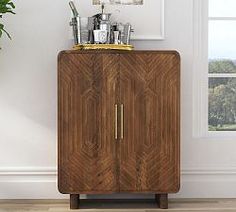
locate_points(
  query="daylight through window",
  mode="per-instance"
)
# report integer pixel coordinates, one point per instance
(222, 65)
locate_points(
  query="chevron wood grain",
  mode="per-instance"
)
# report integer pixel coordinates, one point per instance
(147, 159)
(87, 95)
(150, 92)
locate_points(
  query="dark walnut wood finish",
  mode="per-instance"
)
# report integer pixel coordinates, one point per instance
(145, 157)
(149, 156)
(74, 201)
(87, 150)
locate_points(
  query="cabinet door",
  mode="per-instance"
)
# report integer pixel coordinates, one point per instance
(87, 98)
(150, 92)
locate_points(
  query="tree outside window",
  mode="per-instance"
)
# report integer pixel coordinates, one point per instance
(222, 65)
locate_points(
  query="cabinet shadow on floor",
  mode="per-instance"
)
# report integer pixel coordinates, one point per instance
(118, 204)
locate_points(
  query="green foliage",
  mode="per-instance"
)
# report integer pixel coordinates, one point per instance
(222, 66)
(226, 127)
(6, 6)
(222, 98)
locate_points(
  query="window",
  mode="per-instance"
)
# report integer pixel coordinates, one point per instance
(222, 65)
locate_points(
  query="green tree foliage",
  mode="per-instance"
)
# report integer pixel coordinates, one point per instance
(6, 6)
(222, 97)
(222, 66)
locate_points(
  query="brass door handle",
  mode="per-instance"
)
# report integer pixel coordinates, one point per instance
(116, 121)
(122, 121)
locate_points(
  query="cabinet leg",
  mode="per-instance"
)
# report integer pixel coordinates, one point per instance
(157, 198)
(74, 201)
(163, 201)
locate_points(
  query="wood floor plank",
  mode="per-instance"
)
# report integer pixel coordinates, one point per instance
(180, 205)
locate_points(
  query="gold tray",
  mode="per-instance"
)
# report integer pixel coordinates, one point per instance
(103, 46)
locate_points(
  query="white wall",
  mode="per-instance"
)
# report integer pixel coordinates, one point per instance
(28, 104)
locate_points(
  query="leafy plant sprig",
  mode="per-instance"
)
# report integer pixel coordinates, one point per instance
(6, 6)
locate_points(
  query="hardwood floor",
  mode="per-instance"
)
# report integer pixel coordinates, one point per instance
(190, 205)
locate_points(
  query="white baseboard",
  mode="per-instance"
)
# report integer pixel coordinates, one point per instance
(208, 183)
(41, 183)
(29, 183)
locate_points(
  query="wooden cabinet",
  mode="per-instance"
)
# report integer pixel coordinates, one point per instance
(119, 123)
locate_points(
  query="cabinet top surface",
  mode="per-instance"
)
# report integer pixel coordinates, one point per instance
(120, 52)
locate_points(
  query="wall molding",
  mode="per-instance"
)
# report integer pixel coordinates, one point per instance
(41, 183)
(28, 171)
(52, 171)
(160, 37)
(200, 68)
(210, 171)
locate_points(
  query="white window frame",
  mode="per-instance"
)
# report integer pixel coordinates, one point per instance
(201, 75)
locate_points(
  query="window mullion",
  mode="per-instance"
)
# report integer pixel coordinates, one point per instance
(219, 75)
(222, 18)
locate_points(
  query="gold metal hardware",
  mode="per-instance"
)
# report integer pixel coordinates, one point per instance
(116, 121)
(121, 121)
(103, 46)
